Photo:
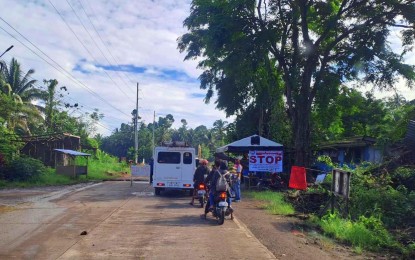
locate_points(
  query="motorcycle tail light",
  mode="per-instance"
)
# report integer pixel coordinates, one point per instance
(222, 195)
(201, 186)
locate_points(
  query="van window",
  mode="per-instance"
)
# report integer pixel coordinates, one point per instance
(169, 157)
(187, 158)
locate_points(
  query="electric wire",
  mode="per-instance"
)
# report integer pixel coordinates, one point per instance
(93, 40)
(78, 108)
(99, 35)
(83, 45)
(71, 77)
(103, 43)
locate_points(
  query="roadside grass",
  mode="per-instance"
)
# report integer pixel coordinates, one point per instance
(97, 170)
(47, 178)
(365, 233)
(275, 203)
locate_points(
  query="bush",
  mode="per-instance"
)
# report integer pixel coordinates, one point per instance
(405, 177)
(375, 195)
(24, 169)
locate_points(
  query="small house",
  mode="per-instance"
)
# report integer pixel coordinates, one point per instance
(352, 150)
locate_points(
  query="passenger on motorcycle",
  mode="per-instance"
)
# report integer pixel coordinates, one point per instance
(212, 179)
(199, 177)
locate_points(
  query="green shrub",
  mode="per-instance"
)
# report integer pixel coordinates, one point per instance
(24, 169)
(405, 177)
(374, 195)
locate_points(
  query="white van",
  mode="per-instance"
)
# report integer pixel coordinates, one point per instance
(174, 166)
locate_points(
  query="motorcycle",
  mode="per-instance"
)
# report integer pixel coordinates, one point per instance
(201, 194)
(220, 208)
(274, 182)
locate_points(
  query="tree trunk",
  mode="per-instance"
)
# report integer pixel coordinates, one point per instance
(301, 131)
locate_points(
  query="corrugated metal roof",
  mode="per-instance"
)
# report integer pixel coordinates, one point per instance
(72, 152)
(410, 135)
(358, 141)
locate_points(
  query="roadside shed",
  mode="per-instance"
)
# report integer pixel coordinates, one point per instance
(253, 142)
(259, 155)
(65, 163)
(42, 146)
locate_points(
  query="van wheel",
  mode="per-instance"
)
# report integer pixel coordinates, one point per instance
(157, 191)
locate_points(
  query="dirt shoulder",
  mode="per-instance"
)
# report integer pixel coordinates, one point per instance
(284, 237)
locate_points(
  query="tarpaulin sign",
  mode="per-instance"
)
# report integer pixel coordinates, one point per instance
(140, 170)
(265, 161)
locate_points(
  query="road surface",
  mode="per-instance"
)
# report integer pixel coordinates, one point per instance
(120, 222)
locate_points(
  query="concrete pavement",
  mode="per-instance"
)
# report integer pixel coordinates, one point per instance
(121, 222)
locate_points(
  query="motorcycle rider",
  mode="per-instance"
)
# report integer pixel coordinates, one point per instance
(199, 177)
(212, 179)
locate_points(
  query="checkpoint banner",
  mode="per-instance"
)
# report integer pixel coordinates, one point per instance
(140, 170)
(265, 161)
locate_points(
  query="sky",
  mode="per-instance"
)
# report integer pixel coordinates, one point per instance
(100, 49)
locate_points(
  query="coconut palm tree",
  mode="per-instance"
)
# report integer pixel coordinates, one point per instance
(20, 86)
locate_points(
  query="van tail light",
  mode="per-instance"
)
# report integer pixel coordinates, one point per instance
(160, 184)
(187, 185)
(222, 195)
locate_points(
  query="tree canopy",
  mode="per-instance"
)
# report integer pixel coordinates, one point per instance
(304, 50)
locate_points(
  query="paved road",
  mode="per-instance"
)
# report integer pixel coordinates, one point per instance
(121, 222)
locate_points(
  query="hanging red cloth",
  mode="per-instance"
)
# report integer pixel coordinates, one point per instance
(298, 178)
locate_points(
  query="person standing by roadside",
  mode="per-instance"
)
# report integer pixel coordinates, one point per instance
(237, 183)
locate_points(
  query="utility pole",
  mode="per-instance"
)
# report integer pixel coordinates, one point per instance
(154, 122)
(136, 130)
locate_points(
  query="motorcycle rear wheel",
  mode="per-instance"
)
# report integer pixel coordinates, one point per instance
(221, 217)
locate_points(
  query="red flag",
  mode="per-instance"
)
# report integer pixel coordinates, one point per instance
(298, 178)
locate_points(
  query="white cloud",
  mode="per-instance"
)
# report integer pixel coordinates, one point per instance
(141, 34)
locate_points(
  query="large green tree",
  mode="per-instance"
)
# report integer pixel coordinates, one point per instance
(312, 46)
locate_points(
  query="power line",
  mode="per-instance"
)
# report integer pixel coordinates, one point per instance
(99, 35)
(90, 21)
(83, 45)
(77, 108)
(71, 77)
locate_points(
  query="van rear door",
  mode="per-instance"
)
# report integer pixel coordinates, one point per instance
(169, 167)
(188, 167)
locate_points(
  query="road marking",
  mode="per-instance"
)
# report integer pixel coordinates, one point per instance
(143, 194)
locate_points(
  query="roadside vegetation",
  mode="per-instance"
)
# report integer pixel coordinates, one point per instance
(274, 202)
(28, 172)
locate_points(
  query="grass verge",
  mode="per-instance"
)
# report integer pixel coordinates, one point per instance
(275, 203)
(365, 233)
(97, 170)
